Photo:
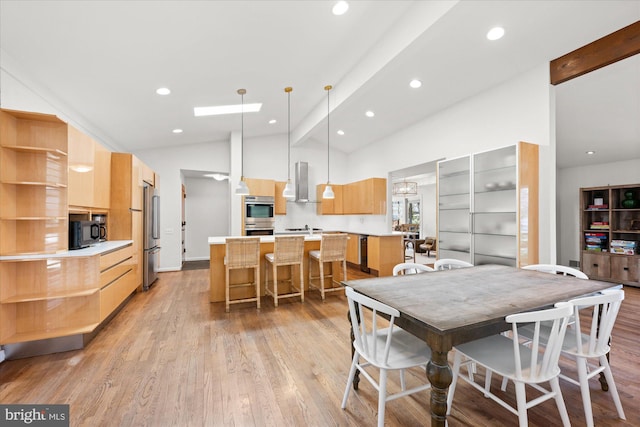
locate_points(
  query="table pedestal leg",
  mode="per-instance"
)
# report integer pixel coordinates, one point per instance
(440, 376)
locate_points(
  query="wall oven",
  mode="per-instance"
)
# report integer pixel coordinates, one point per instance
(258, 215)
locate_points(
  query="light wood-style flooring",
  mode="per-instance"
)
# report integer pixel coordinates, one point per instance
(170, 358)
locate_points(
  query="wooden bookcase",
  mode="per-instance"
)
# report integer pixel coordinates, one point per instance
(606, 222)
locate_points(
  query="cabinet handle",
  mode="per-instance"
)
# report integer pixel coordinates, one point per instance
(625, 268)
(595, 265)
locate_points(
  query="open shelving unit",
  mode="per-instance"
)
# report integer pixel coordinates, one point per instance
(607, 224)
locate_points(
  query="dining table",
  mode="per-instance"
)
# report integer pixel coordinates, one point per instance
(450, 307)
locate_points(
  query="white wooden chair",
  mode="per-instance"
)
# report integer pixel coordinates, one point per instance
(450, 263)
(557, 269)
(410, 268)
(333, 248)
(386, 349)
(589, 340)
(289, 251)
(242, 253)
(523, 365)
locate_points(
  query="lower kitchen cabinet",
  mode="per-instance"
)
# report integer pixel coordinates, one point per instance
(48, 297)
(117, 279)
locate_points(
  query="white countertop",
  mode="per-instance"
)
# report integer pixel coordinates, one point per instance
(97, 249)
(220, 240)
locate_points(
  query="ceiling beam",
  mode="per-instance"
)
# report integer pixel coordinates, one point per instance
(600, 53)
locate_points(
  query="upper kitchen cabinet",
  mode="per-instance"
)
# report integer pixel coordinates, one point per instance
(89, 172)
(488, 207)
(261, 187)
(368, 197)
(280, 203)
(333, 206)
(33, 183)
(148, 175)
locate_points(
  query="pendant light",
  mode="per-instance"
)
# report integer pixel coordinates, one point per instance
(328, 192)
(289, 192)
(242, 189)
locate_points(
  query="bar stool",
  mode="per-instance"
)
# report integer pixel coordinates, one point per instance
(242, 253)
(287, 250)
(333, 248)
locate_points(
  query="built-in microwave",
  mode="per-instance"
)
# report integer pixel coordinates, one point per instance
(83, 234)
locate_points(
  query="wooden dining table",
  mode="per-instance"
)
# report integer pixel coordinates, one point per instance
(451, 307)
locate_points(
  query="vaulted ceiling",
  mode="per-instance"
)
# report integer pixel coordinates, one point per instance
(101, 61)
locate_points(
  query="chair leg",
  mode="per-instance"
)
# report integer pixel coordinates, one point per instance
(321, 267)
(344, 270)
(583, 379)
(487, 380)
(226, 289)
(612, 386)
(352, 374)
(555, 386)
(454, 379)
(521, 399)
(300, 267)
(403, 385)
(382, 396)
(275, 285)
(258, 285)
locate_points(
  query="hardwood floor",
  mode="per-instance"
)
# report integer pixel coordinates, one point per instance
(170, 358)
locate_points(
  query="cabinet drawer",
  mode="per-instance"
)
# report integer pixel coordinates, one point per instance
(113, 295)
(112, 258)
(596, 266)
(113, 273)
(625, 268)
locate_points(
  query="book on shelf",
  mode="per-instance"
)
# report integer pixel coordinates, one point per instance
(598, 206)
(599, 225)
(626, 247)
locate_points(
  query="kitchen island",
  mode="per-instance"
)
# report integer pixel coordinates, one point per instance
(384, 251)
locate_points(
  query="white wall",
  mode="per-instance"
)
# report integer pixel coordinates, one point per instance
(518, 110)
(570, 180)
(167, 162)
(206, 214)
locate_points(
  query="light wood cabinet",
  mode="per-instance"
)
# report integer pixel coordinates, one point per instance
(261, 187)
(148, 175)
(89, 171)
(125, 216)
(280, 203)
(117, 279)
(353, 249)
(33, 183)
(366, 197)
(333, 206)
(48, 297)
(383, 253)
(610, 217)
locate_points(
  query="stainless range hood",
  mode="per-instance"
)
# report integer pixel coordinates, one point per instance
(302, 182)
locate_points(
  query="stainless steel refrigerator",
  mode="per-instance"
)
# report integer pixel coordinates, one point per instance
(151, 215)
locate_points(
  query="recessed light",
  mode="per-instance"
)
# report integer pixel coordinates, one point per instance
(495, 33)
(177, 131)
(218, 110)
(369, 113)
(272, 121)
(340, 8)
(340, 132)
(163, 91)
(415, 83)
(591, 152)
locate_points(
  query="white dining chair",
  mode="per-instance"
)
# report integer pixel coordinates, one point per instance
(450, 263)
(389, 348)
(523, 365)
(410, 268)
(589, 341)
(557, 269)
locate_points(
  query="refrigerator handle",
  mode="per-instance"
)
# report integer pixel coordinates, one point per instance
(155, 212)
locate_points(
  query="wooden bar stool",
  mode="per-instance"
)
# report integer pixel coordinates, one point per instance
(242, 253)
(287, 250)
(333, 248)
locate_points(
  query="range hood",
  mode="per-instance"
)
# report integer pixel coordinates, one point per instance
(302, 182)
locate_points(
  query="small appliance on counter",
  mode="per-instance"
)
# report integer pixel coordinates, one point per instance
(83, 234)
(101, 219)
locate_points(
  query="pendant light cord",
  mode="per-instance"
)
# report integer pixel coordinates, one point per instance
(242, 92)
(288, 90)
(328, 88)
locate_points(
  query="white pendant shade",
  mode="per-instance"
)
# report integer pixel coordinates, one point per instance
(242, 189)
(289, 191)
(328, 193)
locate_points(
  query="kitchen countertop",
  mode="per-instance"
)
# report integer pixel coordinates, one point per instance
(220, 240)
(97, 249)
